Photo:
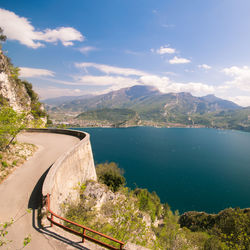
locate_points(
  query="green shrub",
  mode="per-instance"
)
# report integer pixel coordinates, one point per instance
(14, 163)
(214, 243)
(231, 226)
(110, 175)
(4, 164)
(149, 202)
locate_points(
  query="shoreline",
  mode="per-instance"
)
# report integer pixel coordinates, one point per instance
(147, 126)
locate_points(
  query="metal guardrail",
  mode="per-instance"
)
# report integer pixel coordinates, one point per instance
(84, 229)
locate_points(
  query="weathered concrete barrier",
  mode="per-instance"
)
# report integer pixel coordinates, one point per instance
(70, 169)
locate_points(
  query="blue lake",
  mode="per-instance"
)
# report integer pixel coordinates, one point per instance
(189, 168)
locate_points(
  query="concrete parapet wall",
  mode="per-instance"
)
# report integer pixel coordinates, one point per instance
(70, 169)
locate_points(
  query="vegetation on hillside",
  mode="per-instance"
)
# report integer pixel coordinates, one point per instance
(27, 112)
(11, 123)
(231, 226)
(138, 216)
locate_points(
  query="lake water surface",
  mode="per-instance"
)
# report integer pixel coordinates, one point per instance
(189, 168)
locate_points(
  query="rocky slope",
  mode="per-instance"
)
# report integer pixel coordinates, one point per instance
(17, 93)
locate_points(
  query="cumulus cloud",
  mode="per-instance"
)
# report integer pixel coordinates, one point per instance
(85, 50)
(243, 101)
(20, 29)
(124, 77)
(179, 60)
(35, 72)
(240, 75)
(111, 69)
(114, 78)
(164, 84)
(204, 66)
(164, 50)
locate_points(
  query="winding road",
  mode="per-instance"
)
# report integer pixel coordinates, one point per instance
(20, 195)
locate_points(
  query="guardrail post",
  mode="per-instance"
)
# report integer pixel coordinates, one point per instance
(83, 235)
(51, 222)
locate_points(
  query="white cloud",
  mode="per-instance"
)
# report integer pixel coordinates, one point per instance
(243, 101)
(115, 78)
(129, 77)
(164, 84)
(204, 66)
(34, 72)
(165, 50)
(240, 75)
(64, 34)
(179, 60)
(87, 49)
(51, 92)
(20, 29)
(111, 69)
(196, 88)
(106, 80)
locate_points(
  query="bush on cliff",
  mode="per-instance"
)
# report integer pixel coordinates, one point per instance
(149, 202)
(231, 226)
(110, 175)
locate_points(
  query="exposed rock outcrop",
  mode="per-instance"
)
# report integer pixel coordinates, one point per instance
(17, 93)
(14, 93)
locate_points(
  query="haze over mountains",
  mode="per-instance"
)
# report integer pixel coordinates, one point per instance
(140, 104)
(141, 97)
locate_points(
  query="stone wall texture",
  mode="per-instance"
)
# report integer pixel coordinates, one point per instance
(74, 167)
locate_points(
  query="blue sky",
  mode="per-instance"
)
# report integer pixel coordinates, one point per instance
(95, 46)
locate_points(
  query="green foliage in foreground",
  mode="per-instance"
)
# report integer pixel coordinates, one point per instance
(110, 175)
(231, 226)
(138, 216)
(11, 123)
(4, 232)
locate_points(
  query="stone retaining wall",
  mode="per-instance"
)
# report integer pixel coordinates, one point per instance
(70, 169)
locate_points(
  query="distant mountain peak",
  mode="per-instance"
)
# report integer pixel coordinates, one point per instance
(138, 91)
(211, 98)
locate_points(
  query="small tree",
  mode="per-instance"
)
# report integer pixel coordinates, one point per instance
(2, 36)
(11, 123)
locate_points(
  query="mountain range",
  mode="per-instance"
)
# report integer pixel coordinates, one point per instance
(149, 104)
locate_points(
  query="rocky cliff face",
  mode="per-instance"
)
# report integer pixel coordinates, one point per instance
(14, 93)
(17, 93)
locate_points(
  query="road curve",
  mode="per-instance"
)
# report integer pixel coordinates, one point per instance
(18, 192)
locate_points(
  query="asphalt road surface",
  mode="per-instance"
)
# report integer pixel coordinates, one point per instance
(19, 195)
